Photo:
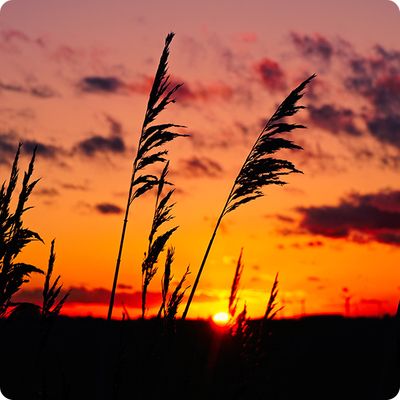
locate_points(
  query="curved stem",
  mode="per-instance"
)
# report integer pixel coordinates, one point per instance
(121, 245)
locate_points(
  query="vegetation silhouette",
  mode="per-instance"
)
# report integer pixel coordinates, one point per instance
(81, 358)
(260, 168)
(151, 148)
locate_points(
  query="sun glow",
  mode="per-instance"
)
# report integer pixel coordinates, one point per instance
(221, 318)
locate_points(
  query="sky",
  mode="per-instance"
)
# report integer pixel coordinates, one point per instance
(74, 80)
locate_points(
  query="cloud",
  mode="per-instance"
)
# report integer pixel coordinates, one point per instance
(9, 144)
(204, 92)
(385, 128)
(47, 192)
(108, 208)
(124, 286)
(95, 144)
(8, 147)
(270, 74)
(39, 91)
(97, 296)
(48, 151)
(359, 217)
(115, 126)
(376, 78)
(200, 167)
(74, 186)
(314, 45)
(334, 119)
(101, 84)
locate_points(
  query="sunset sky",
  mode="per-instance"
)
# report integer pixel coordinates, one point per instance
(75, 78)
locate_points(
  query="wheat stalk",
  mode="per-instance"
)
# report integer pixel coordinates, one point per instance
(260, 168)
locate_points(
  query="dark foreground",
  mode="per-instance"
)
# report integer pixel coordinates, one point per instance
(312, 358)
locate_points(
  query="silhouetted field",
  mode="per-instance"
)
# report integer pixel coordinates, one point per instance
(309, 358)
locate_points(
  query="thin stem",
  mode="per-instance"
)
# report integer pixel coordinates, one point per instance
(145, 274)
(121, 245)
(205, 259)
(194, 287)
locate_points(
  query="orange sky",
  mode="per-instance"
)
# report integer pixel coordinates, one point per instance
(74, 78)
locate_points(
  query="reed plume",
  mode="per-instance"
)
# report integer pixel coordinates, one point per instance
(51, 292)
(176, 297)
(151, 150)
(14, 236)
(162, 214)
(166, 280)
(272, 306)
(233, 297)
(260, 168)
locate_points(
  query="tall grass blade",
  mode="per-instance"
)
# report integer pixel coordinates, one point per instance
(233, 297)
(260, 168)
(162, 214)
(150, 151)
(14, 236)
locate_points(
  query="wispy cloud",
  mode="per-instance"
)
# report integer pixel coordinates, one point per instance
(38, 91)
(334, 119)
(200, 167)
(316, 45)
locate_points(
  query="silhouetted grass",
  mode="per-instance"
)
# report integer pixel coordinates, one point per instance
(162, 214)
(260, 168)
(151, 148)
(14, 236)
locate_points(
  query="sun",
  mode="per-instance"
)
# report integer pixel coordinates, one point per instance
(221, 318)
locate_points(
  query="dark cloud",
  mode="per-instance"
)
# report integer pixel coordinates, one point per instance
(101, 84)
(8, 147)
(9, 144)
(39, 91)
(124, 286)
(47, 192)
(376, 78)
(271, 74)
(313, 45)
(11, 87)
(95, 144)
(386, 128)
(314, 278)
(97, 296)
(108, 208)
(43, 150)
(362, 218)
(200, 167)
(334, 119)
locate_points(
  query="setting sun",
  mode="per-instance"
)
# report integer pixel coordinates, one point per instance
(221, 318)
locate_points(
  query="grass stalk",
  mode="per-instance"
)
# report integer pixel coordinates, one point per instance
(152, 138)
(259, 168)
